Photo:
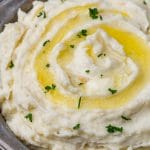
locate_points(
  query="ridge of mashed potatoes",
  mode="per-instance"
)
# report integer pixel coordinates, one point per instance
(75, 74)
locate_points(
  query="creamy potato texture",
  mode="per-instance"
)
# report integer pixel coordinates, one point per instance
(75, 74)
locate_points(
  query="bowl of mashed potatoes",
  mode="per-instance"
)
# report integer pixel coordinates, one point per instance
(75, 74)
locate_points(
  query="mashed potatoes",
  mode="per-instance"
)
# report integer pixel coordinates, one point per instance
(75, 74)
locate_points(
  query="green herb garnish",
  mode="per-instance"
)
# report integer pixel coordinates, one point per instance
(72, 46)
(76, 127)
(11, 64)
(42, 14)
(113, 129)
(47, 65)
(93, 12)
(101, 54)
(49, 88)
(101, 18)
(79, 102)
(125, 118)
(80, 83)
(47, 41)
(144, 2)
(87, 71)
(112, 91)
(83, 32)
(102, 75)
(29, 117)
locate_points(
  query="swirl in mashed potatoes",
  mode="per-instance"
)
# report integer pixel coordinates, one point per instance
(75, 74)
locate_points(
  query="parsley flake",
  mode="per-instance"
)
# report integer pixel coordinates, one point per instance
(42, 14)
(101, 54)
(87, 71)
(102, 75)
(113, 129)
(72, 46)
(112, 91)
(80, 83)
(76, 127)
(49, 88)
(47, 41)
(47, 65)
(101, 17)
(144, 2)
(11, 64)
(83, 32)
(125, 118)
(93, 12)
(79, 102)
(29, 117)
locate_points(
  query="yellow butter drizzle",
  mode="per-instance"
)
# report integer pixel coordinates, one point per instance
(112, 11)
(135, 48)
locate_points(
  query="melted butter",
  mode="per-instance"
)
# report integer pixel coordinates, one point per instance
(134, 47)
(113, 11)
(139, 51)
(91, 54)
(44, 76)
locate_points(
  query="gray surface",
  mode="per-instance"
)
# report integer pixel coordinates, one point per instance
(7, 139)
(8, 9)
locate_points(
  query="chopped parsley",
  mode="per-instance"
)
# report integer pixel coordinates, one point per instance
(47, 65)
(47, 41)
(79, 102)
(102, 75)
(113, 129)
(113, 91)
(72, 46)
(11, 64)
(144, 2)
(83, 32)
(87, 71)
(101, 17)
(80, 83)
(125, 118)
(76, 127)
(49, 88)
(42, 14)
(29, 117)
(101, 54)
(93, 12)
